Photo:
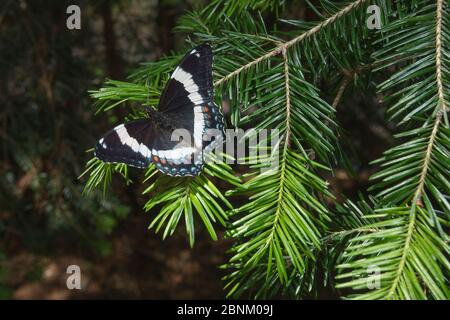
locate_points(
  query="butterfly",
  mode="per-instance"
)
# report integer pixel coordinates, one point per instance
(186, 126)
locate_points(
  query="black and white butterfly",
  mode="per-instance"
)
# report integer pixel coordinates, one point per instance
(186, 126)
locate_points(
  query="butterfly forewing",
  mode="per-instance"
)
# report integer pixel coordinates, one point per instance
(190, 84)
(128, 143)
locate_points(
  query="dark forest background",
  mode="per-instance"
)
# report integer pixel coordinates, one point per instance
(47, 122)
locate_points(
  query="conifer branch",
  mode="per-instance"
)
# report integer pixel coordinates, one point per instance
(410, 246)
(281, 190)
(344, 83)
(441, 105)
(286, 45)
(419, 190)
(288, 98)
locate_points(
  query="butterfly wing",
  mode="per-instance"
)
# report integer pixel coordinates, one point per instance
(138, 143)
(130, 143)
(190, 83)
(189, 95)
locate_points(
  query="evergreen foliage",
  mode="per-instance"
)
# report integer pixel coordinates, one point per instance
(290, 236)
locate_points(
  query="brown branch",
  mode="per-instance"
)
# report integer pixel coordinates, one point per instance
(441, 105)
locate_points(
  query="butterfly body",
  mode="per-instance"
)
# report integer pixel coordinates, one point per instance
(164, 121)
(186, 126)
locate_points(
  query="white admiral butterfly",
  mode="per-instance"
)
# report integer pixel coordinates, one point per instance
(187, 103)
